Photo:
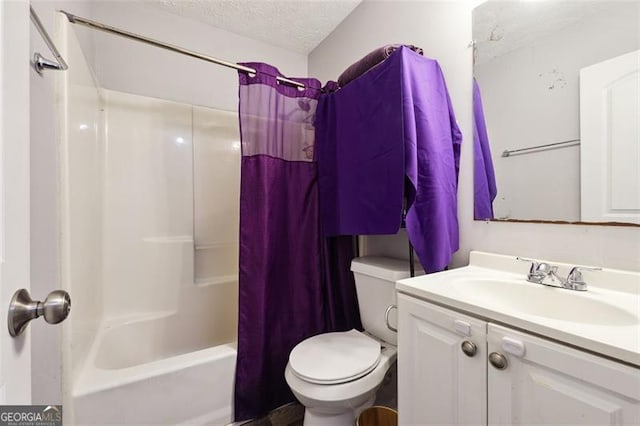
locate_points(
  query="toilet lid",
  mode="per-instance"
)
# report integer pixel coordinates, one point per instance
(333, 358)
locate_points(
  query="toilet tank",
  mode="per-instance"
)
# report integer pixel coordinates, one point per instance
(375, 284)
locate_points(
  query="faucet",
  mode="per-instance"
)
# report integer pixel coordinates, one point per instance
(546, 274)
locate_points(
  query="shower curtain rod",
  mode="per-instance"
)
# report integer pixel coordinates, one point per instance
(41, 63)
(132, 36)
(545, 147)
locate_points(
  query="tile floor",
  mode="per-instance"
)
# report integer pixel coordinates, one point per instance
(288, 415)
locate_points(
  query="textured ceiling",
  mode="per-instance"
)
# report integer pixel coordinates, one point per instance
(500, 27)
(298, 25)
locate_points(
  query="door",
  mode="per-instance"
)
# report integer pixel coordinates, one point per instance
(549, 383)
(15, 363)
(610, 140)
(438, 381)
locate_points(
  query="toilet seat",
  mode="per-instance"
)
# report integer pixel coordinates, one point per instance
(334, 358)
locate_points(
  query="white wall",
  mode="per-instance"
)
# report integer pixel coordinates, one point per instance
(542, 81)
(132, 67)
(443, 29)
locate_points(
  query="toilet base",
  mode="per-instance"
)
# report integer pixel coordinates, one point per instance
(340, 404)
(320, 416)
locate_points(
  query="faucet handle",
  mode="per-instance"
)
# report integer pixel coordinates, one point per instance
(539, 267)
(538, 270)
(575, 280)
(534, 263)
(546, 269)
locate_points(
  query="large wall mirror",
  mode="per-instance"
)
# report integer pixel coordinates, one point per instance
(557, 108)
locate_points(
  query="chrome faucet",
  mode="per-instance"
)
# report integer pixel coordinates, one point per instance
(546, 274)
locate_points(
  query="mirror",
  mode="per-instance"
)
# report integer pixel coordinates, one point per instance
(557, 108)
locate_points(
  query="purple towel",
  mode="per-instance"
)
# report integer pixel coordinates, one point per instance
(485, 189)
(371, 60)
(389, 133)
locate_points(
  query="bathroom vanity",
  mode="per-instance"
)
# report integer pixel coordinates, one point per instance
(481, 344)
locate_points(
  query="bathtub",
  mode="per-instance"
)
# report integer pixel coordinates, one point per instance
(164, 367)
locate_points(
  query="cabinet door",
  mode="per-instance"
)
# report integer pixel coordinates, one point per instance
(437, 382)
(549, 383)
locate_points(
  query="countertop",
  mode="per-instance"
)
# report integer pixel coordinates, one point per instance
(621, 289)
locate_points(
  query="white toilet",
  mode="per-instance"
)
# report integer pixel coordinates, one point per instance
(336, 375)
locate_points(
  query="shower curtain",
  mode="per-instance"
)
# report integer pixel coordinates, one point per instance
(293, 283)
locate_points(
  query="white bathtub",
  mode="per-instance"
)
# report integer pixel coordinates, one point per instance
(164, 368)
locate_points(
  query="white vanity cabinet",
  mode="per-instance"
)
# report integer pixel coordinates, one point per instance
(543, 382)
(437, 382)
(552, 384)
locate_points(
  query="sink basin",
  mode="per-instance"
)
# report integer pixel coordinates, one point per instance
(521, 297)
(605, 319)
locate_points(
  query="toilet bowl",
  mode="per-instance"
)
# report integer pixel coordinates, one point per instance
(336, 375)
(342, 400)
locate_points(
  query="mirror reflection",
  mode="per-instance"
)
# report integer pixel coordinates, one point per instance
(556, 102)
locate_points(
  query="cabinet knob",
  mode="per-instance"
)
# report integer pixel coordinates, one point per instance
(498, 360)
(469, 348)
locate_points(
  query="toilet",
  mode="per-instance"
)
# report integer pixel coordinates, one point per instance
(336, 375)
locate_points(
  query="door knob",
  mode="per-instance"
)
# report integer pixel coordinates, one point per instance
(498, 360)
(23, 309)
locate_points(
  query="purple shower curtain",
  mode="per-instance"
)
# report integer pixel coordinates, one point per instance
(293, 283)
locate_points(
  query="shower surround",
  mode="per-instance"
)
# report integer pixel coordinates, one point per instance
(149, 238)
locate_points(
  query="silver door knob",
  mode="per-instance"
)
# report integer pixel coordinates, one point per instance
(23, 309)
(469, 348)
(498, 360)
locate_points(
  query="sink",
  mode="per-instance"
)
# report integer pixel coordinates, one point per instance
(605, 319)
(522, 297)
